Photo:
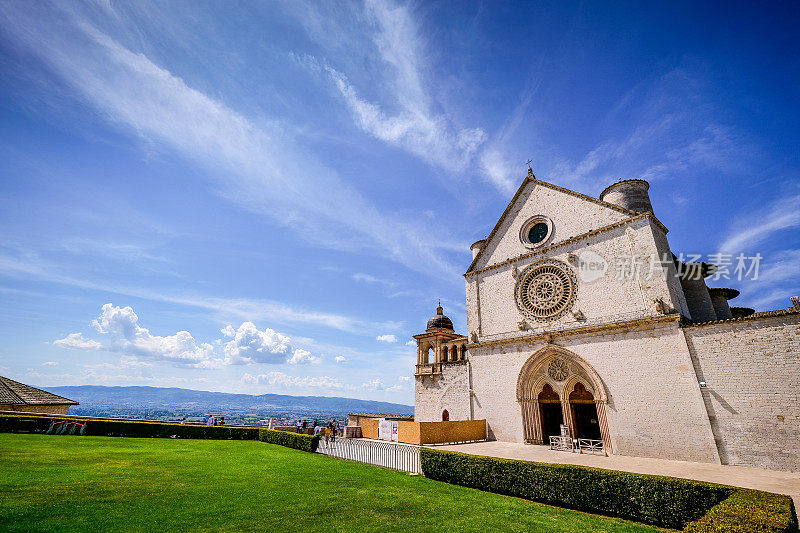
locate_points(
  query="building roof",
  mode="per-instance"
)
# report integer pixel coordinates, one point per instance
(439, 320)
(16, 393)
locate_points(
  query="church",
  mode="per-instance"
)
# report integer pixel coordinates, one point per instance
(582, 322)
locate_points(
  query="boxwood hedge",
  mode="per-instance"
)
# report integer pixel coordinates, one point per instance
(298, 441)
(658, 500)
(128, 428)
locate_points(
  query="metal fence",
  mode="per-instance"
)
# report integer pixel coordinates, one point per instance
(387, 454)
(577, 445)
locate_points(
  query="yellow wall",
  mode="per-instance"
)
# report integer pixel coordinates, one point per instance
(369, 428)
(408, 432)
(452, 431)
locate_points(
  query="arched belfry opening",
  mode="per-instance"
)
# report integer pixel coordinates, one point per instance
(556, 386)
(445, 416)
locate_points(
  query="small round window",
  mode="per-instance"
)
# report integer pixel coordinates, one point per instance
(536, 231)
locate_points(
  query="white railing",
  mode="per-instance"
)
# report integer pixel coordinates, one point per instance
(590, 446)
(387, 454)
(568, 444)
(560, 442)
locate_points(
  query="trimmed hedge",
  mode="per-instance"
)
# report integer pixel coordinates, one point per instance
(298, 441)
(658, 500)
(746, 511)
(128, 428)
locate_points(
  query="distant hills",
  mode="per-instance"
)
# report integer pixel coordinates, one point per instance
(158, 402)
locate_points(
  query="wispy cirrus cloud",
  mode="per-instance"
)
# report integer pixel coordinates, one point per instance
(753, 230)
(408, 114)
(260, 167)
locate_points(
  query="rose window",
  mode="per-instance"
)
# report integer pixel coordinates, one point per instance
(545, 290)
(558, 369)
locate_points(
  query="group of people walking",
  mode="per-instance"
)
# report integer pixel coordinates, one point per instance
(329, 431)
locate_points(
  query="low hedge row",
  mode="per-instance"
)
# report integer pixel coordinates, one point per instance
(746, 511)
(298, 441)
(128, 428)
(662, 501)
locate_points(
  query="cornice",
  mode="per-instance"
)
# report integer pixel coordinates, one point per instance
(547, 337)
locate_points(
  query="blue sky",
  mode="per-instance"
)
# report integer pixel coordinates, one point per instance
(271, 197)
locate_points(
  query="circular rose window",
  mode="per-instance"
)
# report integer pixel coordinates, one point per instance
(558, 369)
(545, 290)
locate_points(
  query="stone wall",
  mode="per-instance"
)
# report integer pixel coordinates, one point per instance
(752, 371)
(449, 391)
(571, 216)
(655, 406)
(493, 313)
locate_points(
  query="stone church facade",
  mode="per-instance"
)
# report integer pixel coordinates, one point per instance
(566, 326)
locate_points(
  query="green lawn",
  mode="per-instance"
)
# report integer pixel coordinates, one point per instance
(69, 483)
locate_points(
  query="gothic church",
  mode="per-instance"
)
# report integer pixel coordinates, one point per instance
(652, 362)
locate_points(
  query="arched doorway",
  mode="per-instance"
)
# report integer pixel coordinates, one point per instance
(445, 415)
(560, 370)
(585, 421)
(550, 413)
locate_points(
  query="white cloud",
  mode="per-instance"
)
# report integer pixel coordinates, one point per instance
(394, 388)
(340, 359)
(374, 385)
(404, 378)
(247, 344)
(250, 345)
(49, 363)
(386, 338)
(284, 380)
(416, 127)
(411, 343)
(303, 357)
(261, 167)
(121, 324)
(750, 232)
(76, 341)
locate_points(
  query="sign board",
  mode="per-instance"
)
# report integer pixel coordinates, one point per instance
(384, 429)
(394, 430)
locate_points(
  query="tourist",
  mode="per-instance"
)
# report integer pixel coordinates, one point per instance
(333, 432)
(298, 426)
(305, 425)
(222, 421)
(317, 428)
(210, 420)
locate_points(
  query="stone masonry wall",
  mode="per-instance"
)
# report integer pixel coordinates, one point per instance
(449, 391)
(752, 368)
(615, 296)
(655, 407)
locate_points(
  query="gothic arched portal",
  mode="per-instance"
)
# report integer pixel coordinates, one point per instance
(556, 386)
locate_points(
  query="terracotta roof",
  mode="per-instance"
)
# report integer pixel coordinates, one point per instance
(16, 393)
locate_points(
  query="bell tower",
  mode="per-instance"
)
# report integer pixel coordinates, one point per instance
(441, 391)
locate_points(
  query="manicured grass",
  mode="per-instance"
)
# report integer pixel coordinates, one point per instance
(68, 483)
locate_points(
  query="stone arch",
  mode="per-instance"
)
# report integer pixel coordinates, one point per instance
(534, 375)
(550, 352)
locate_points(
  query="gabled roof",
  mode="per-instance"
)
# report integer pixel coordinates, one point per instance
(531, 178)
(16, 393)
